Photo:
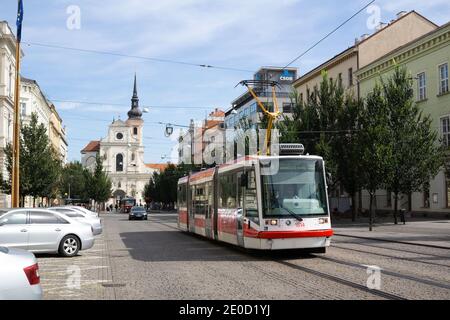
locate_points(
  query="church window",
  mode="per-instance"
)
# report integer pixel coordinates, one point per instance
(135, 130)
(119, 163)
(133, 156)
(119, 136)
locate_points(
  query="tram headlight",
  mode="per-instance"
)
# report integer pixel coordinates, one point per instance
(273, 222)
(323, 220)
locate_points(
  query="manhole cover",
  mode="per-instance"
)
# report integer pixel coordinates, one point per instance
(114, 285)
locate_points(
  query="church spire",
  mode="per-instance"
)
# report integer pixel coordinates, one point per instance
(135, 112)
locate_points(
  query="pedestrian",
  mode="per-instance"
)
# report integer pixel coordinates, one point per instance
(117, 207)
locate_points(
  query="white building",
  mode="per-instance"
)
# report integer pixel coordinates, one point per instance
(7, 81)
(122, 151)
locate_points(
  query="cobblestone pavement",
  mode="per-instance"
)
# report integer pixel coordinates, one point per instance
(153, 260)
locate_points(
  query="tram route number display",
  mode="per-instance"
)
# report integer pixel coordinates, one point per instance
(225, 310)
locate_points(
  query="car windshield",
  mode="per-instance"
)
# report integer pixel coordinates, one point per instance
(138, 210)
(298, 188)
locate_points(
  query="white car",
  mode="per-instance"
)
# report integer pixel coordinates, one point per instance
(83, 209)
(44, 231)
(19, 275)
(81, 216)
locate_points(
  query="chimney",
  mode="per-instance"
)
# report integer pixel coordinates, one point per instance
(401, 14)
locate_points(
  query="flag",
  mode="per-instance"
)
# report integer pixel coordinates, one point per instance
(19, 21)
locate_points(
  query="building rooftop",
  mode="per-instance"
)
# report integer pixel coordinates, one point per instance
(93, 146)
(161, 167)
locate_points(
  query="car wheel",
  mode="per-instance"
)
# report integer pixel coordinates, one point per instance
(69, 246)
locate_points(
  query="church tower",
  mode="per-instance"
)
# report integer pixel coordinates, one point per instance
(135, 121)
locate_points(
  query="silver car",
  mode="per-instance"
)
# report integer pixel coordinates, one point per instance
(83, 209)
(44, 231)
(19, 275)
(81, 216)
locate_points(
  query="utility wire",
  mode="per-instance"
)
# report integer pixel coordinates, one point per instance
(329, 34)
(124, 105)
(117, 54)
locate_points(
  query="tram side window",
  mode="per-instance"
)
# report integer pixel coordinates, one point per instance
(251, 202)
(200, 199)
(228, 191)
(210, 198)
(182, 196)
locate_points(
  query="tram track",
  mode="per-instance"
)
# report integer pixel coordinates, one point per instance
(324, 275)
(392, 257)
(393, 241)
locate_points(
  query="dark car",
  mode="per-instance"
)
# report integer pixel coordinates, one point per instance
(137, 213)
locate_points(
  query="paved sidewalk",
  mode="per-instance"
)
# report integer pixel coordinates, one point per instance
(433, 233)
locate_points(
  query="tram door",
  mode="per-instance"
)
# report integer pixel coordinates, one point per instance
(191, 211)
(215, 213)
(209, 196)
(241, 183)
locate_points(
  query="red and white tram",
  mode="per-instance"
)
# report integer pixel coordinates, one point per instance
(245, 204)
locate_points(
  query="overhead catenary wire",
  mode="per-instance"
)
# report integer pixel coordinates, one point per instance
(328, 35)
(118, 54)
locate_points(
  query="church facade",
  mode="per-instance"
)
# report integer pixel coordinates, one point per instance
(122, 151)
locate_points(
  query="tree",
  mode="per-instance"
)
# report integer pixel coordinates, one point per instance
(98, 183)
(162, 187)
(416, 157)
(39, 164)
(376, 154)
(74, 181)
(347, 150)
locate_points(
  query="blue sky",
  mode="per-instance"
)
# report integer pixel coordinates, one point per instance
(229, 33)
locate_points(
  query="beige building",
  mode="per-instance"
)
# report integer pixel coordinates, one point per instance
(58, 134)
(367, 48)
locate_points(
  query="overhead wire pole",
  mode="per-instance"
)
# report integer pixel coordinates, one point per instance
(15, 179)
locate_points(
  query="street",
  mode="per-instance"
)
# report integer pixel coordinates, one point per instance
(153, 260)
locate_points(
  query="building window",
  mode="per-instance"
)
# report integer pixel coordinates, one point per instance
(287, 107)
(301, 97)
(135, 130)
(422, 86)
(10, 81)
(133, 156)
(350, 77)
(340, 80)
(388, 199)
(443, 78)
(23, 109)
(119, 136)
(119, 163)
(426, 195)
(445, 130)
(308, 95)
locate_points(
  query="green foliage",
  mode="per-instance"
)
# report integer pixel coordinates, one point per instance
(98, 183)
(40, 165)
(74, 177)
(416, 157)
(162, 187)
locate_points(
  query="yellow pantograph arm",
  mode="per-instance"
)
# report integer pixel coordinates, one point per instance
(272, 116)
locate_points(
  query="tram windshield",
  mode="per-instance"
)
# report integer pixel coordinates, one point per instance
(297, 189)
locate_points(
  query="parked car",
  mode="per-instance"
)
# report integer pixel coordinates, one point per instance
(19, 275)
(83, 209)
(81, 216)
(44, 231)
(137, 213)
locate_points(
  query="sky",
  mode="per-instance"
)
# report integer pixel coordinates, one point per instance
(90, 90)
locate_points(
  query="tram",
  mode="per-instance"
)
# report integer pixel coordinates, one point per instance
(259, 202)
(126, 204)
